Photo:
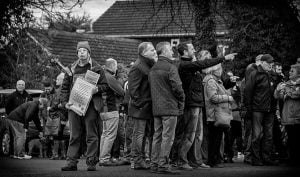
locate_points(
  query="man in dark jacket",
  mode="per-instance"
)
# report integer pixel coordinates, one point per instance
(248, 116)
(19, 120)
(187, 69)
(168, 103)
(260, 101)
(90, 119)
(17, 98)
(140, 105)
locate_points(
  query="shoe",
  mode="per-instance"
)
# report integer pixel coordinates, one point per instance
(69, 168)
(25, 157)
(91, 168)
(230, 160)
(108, 163)
(203, 165)
(167, 171)
(259, 163)
(54, 158)
(219, 165)
(153, 169)
(141, 166)
(185, 167)
(248, 161)
(271, 163)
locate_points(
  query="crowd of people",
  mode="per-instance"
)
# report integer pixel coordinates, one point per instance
(167, 114)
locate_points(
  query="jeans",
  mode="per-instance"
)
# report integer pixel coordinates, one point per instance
(19, 137)
(77, 125)
(164, 133)
(109, 133)
(195, 152)
(262, 135)
(191, 117)
(138, 140)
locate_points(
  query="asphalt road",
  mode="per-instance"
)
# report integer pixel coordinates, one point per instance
(51, 168)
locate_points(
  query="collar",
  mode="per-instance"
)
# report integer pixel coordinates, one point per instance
(183, 58)
(163, 58)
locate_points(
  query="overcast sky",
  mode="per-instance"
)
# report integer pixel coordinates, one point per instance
(95, 8)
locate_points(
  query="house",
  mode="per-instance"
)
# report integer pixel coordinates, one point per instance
(63, 44)
(146, 21)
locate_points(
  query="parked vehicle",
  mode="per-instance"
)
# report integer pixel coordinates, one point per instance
(6, 135)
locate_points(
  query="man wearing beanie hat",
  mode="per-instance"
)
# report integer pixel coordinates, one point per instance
(260, 102)
(89, 121)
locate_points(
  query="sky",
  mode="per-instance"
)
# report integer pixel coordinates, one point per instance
(95, 8)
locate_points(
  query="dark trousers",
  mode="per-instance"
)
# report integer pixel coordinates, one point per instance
(279, 147)
(262, 134)
(77, 124)
(234, 134)
(215, 135)
(247, 135)
(293, 132)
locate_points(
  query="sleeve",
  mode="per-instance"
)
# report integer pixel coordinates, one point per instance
(134, 81)
(199, 65)
(278, 94)
(65, 89)
(32, 113)
(102, 82)
(9, 104)
(176, 86)
(212, 93)
(226, 81)
(29, 98)
(37, 123)
(295, 93)
(249, 88)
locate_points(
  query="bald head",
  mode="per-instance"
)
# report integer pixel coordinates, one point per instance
(20, 85)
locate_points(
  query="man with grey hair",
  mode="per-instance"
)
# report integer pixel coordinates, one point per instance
(167, 103)
(17, 98)
(110, 116)
(140, 105)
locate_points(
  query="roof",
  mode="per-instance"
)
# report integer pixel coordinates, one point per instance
(145, 19)
(64, 45)
(30, 91)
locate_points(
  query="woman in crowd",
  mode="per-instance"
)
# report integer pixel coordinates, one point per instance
(289, 92)
(217, 102)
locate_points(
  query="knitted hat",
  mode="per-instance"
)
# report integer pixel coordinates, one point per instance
(84, 44)
(267, 58)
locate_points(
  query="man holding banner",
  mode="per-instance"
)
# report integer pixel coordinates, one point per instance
(88, 120)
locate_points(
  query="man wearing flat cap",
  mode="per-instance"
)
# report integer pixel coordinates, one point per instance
(89, 121)
(260, 102)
